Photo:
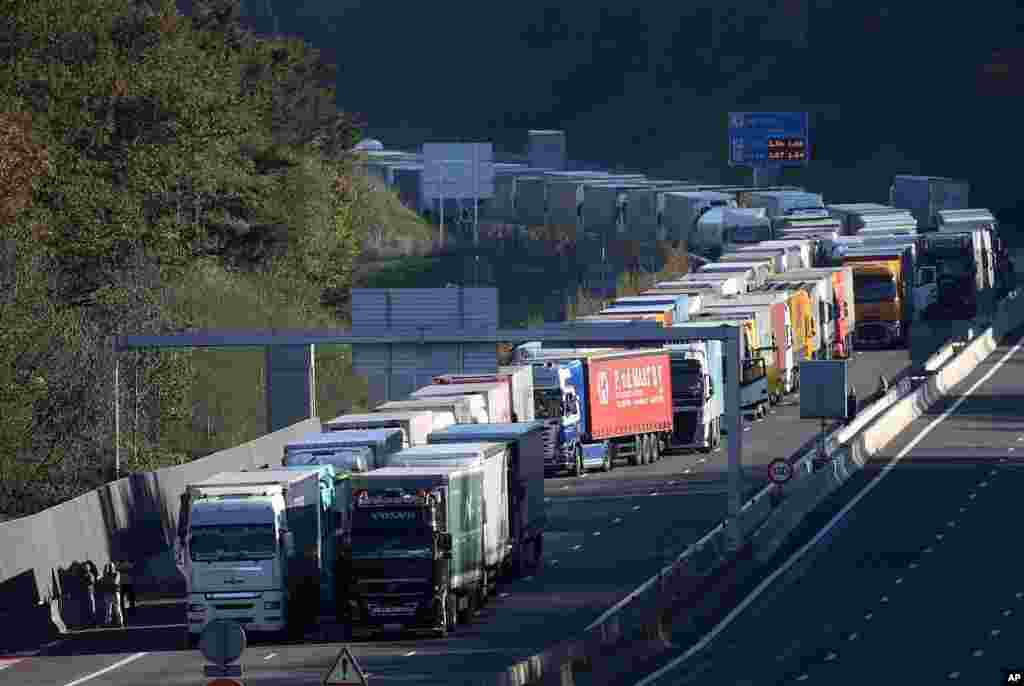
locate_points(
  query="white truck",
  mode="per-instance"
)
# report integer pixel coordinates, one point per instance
(253, 546)
(415, 425)
(714, 284)
(753, 273)
(451, 409)
(683, 209)
(518, 379)
(496, 396)
(347, 451)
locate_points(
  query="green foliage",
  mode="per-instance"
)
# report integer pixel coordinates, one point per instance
(157, 173)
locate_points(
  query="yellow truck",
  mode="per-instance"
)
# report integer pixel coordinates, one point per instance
(801, 316)
(880, 305)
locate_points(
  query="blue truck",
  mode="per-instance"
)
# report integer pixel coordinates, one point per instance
(603, 406)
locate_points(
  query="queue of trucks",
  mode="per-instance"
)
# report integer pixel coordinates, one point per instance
(404, 518)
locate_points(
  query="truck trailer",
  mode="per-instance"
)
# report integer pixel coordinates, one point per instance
(415, 425)
(607, 406)
(518, 380)
(348, 451)
(528, 447)
(497, 396)
(446, 410)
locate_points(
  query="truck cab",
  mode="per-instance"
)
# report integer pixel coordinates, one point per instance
(235, 544)
(559, 399)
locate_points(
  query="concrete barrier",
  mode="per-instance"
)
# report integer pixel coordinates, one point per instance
(133, 518)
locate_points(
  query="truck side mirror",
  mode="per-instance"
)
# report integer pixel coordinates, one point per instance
(288, 543)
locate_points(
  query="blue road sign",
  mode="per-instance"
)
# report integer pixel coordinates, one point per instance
(768, 139)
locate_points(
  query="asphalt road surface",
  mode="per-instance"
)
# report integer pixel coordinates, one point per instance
(919, 583)
(608, 533)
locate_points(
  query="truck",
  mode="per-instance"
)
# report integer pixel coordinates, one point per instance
(767, 339)
(254, 546)
(497, 396)
(962, 267)
(683, 305)
(450, 409)
(775, 259)
(955, 221)
(801, 315)
(850, 215)
(518, 379)
(754, 273)
(745, 225)
(683, 209)
(842, 298)
(781, 336)
(787, 256)
(717, 225)
(805, 250)
(347, 451)
(781, 203)
(882, 294)
(528, 444)
(697, 394)
(495, 460)
(415, 425)
(754, 392)
(607, 406)
(822, 297)
(414, 551)
(925, 196)
(717, 284)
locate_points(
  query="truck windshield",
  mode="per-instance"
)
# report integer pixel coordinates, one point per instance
(687, 381)
(390, 533)
(548, 403)
(874, 290)
(233, 542)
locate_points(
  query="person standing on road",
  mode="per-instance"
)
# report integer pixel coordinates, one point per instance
(90, 575)
(112, 596)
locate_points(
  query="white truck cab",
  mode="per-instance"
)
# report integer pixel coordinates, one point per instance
(234, 553)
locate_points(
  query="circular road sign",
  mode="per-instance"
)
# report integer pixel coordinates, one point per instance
(780, 471)
(222, 641)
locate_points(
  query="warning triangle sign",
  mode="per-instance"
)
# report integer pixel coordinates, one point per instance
(346, 671)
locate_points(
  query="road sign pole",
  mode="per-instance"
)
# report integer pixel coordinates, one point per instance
(440, 193)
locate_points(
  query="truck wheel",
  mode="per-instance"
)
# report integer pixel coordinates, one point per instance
(577, 468)
(716, 435)
(608, 458)
(637, 458)
(613, 454)
(652, 448)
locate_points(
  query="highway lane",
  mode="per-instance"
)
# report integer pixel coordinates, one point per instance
(608, 533)
(919, 583)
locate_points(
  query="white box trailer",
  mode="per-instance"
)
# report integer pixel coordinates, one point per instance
(780, 203)
(348, 451)
(452, 409)
(704, 282)
(754, 273)
(804, 247)
(776, 259)
(493, 458)
(496, 395)
(519, 380)
(414, 425)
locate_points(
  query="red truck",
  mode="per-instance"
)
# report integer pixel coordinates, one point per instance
(607, 406)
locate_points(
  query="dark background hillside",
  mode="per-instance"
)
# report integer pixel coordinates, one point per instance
(905, 87)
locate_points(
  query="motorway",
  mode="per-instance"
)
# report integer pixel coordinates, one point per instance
(918, 583)
(607, 534)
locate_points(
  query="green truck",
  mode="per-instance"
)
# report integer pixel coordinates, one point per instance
(414, 553)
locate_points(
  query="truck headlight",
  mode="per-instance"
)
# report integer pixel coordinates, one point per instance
(272, 605)
(196, 607)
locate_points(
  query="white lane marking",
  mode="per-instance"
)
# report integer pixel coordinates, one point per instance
(978, 653)
(268, 657)
(410, 653)
(6, 662)
(120, 663)
(617, 520)
(736, 611)
(528, 578)
(597, 533)
(995, 632)
(636, 507)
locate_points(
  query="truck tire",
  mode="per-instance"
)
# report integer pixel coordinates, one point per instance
(609, 464)
(577, 467)
(652, 448)
(637, 458)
